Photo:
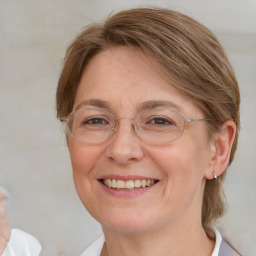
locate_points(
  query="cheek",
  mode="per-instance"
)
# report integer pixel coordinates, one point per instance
(182, 161)
(83, 158)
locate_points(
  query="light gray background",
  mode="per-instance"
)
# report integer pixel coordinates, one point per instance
(34, 161)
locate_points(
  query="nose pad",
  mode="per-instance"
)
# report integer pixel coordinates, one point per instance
(116, 125)
(114, 128)
(125, 144)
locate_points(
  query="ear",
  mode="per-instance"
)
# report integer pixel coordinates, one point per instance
(220, 149)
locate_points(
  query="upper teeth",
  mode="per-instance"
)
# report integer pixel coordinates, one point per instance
(128, 184)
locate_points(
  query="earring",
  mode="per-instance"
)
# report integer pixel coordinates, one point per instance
(215, 176)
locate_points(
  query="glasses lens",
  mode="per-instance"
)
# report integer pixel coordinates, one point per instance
(95, 126)
(159, 126)
(90, 125)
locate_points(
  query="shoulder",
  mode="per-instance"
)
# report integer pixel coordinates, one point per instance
(226, 249)
(222, 246)
(21, 241)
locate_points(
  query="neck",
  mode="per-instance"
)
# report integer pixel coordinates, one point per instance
(186, 240)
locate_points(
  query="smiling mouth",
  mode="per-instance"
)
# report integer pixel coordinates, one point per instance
(127, 184)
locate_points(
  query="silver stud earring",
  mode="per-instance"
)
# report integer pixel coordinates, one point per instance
(215, 176)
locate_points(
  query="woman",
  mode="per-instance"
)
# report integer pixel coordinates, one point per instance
(151, 105)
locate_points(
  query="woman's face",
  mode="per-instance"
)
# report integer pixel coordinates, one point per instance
(121, 80)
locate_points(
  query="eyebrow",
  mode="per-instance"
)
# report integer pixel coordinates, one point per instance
(147, 105)
(152, 104)
(93, 102)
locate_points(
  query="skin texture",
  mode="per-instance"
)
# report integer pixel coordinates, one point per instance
(166, 220)
(4, 226)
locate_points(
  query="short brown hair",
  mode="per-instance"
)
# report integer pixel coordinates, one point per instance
(191, 59)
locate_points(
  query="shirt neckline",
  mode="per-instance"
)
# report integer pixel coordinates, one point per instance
(96, 247)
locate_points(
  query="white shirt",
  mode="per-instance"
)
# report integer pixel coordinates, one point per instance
(22, 244)
(96, 248)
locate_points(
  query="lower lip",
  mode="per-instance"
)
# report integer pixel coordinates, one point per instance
(127, 193)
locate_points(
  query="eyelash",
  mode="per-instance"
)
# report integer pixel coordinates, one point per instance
(162, 119)
(93, 119)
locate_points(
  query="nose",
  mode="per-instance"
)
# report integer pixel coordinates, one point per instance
(125, 146)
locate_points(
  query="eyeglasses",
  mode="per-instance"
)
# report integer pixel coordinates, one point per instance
(154, 126)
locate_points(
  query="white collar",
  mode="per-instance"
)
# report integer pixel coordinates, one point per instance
(218, 240)
(95, 248)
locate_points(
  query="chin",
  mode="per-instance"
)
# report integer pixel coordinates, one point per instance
(126, 226)
(126, 221)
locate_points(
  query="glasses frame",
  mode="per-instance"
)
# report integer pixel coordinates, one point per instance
(116, 119)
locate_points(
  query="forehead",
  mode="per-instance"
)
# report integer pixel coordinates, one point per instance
(123, 77)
